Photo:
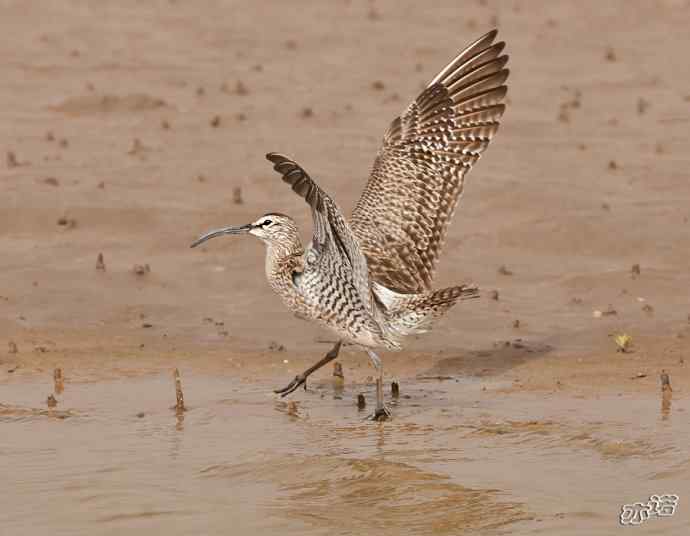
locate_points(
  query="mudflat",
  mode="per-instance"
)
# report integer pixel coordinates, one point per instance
(128, 130)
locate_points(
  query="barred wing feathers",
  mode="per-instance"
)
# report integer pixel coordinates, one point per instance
(418, 176)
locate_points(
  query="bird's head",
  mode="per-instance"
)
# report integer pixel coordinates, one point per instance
(274, 229)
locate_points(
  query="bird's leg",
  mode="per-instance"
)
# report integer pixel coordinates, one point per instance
(382, 412)
(302, 378)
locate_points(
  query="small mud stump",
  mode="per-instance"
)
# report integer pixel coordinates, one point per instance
(338, 377)
(666, 395)
(237, 195)
(58, 380)
(395, 389)
(179, 405)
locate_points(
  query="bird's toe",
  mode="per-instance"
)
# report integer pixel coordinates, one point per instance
(381, 414)
(292, 386)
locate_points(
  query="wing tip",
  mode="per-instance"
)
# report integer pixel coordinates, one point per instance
(486, 40)
(276, 157)
(476, 47)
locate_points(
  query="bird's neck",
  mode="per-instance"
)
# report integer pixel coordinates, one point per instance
(281, 262)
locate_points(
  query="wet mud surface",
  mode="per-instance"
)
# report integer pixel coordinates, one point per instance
(128, 129)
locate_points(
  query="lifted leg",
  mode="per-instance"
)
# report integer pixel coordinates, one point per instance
(382, 412)
(301, 379)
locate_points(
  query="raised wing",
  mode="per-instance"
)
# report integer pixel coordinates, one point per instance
(418, 175)
(332, 234)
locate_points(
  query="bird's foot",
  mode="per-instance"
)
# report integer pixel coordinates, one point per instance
(381, 414)
(300, 379)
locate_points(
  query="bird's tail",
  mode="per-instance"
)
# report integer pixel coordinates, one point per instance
(410, 314)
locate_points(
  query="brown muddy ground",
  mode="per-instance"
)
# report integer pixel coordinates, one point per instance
(125, 130)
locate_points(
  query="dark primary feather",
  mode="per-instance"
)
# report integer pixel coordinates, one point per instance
(302, 184)
(402, 216)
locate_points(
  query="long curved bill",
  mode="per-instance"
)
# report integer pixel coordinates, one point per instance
(243, 229)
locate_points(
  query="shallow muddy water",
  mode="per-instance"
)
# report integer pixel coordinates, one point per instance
(114, 457)
(132, 127)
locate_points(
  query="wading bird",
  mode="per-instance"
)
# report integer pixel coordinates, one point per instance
(369, 278)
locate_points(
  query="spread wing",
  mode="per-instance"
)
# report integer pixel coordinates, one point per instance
(418, 175)
(332, 234)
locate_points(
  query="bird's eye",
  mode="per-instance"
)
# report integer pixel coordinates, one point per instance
(266, 222)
